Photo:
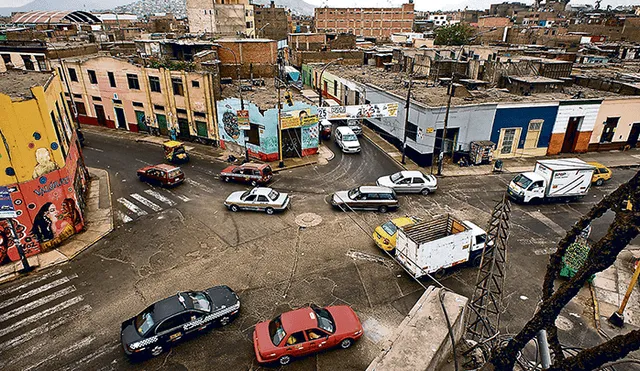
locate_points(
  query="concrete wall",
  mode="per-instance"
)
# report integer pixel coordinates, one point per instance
(422, 341)
(628, 110)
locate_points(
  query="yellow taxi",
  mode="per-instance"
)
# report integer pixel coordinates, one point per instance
(601, 174)
(385, 235)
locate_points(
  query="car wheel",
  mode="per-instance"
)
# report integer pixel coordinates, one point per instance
(346, 343)
(439, 274)
(383, 209)
(226, 179)
(224, 321)
(157, 350)
(234, 208)
(284, 360)
(269, 211)
(254, 183)
(425, 191)
(477, 260)
(599, 182)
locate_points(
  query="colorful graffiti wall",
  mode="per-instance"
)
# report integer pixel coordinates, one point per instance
(267, 125)
(50, 207)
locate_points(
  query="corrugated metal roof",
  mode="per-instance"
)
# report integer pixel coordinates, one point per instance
(54, 16)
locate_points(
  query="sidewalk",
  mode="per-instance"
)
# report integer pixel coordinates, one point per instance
(611, 159)
(610, 287)
(98, 222)
(323, 157)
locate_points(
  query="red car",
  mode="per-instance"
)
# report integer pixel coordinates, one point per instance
(162, 174)
(305, 331)
(250, 172)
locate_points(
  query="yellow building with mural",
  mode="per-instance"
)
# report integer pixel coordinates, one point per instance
(41, 164)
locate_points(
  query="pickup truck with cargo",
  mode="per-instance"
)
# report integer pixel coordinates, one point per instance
(560, 179)
(434, 245)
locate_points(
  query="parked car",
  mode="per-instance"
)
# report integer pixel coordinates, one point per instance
(409, 182)
(161, 174)
(346, 139)
(249, 172)
(156, 328)
(305, 331)
(355, 126)
(366, 198)
(385, 234)
(258, 199)
(601, 174)
(325, 129)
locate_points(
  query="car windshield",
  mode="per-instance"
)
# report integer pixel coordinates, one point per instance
(244, 195)
(353, 194)
(276, 331)
(395, 177)
(267, 171)
(390, 228)
(273, 195)
(144, 321)
(522, 181)
(349, 138)
(175, 173)
(325, 321)
(200, 301)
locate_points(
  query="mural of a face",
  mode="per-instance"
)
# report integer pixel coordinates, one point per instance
(44, 163)
(43, 223)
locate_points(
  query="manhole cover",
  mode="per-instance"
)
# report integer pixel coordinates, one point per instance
(308, 220)
(563, 323)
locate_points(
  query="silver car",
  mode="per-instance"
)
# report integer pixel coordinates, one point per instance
(258, 199)
(409, 182)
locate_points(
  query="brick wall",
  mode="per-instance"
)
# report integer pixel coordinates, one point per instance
(350, 57)
(494, 22)
(262, 55)
(278, 27)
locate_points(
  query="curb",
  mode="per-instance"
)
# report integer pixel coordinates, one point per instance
(279, 169)
(383, 151)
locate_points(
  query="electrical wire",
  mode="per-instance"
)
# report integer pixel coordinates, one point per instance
(450, 329)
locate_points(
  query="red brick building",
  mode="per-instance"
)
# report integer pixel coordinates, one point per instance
(380, 23)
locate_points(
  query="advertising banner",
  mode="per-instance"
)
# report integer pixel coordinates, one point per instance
(379, 110)
(297, 118)
(243, 120)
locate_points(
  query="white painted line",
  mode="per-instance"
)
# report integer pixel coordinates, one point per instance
(37, 290)
(29, 283)
(181, 197)
(160, 197)
(43, 329)
(548, 222)
(39, 316)
(78, 345)
(36, 303)
(199, 185)
(131, 206)
(82, 362)
(93, 149)
(144, 162)
(123, 217)
(147, 203)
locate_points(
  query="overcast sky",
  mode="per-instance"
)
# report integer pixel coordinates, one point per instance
(448, 4)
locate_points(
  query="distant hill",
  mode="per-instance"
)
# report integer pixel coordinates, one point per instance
(87, 5)
(296, 6)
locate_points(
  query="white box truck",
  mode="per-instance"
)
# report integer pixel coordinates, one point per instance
(568, 178)
(434, 245)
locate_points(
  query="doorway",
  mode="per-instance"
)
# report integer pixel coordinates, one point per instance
(162, 124)
(122, 122)
(571, 135)
(291, 143)
(634, 135)
(609, 129)
(450, 143)
(183, 126)
(102, 118)
(508, 142)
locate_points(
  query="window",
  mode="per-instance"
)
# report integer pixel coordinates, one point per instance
(199, 114)
(144, 321)
(158, 107)
(250, 198)
(200, 301)
(181, 111)
(195, 83)
(169, 324)
(6, 58)
(253, 134)
(609, 129)
(72, 74)
(92, 76)
(418, 181)
(117, 101)
(262, 199)
(412, 131)
(154, 84)
(79, 96)
(28, 63)
(137, 104)
(81, 109)
(132, 79)
(98, 99)
(508, 141)
(201, 129)
(274, 194)
(178, 88)
(42, 65)
(112, 79)
(296, 338)
(335, 88)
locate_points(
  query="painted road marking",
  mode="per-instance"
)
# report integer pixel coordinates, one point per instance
(29, 283)
(43, 329)
(181, 197)
(160, 197)
(131, 206)
(106, 348)
(199, 185)
(548, 222)
(93, 149)
(39, 316)
(37, 290)
(147, 203)
(124, 217)
(79, 345)
(36, 303)
(144, 162)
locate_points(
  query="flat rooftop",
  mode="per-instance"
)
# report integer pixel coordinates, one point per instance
(17, 84)
(431, 94)
(536, 79)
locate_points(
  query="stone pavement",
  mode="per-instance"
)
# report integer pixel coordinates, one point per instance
(610, 159)
(610, 287)
(98, 223)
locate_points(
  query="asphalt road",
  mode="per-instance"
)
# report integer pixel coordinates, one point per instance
(185, 239)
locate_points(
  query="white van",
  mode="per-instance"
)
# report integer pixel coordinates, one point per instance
(347, 140)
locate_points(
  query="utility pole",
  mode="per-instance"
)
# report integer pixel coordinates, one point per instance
(617, 318)
(320, 79)
(281, 164)
(406, 116)
(443, 145)
(16, 240)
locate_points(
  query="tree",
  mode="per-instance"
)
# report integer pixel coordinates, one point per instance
(603, 253)
(453, 34)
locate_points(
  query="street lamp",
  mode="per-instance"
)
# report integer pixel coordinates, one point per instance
(320, 79)
(260, 30)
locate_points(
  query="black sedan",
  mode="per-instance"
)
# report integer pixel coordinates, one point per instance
(154, 330)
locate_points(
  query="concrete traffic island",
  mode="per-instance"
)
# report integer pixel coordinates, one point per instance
(98, 221)
(422, 341)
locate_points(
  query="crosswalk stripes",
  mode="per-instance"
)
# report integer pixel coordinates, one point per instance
(131, 206)
(160, 197)
(199, 185)
(76, 346)
(146, 202)
(36, 303)
(124, 217)
(36, 291)
(138, 204)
